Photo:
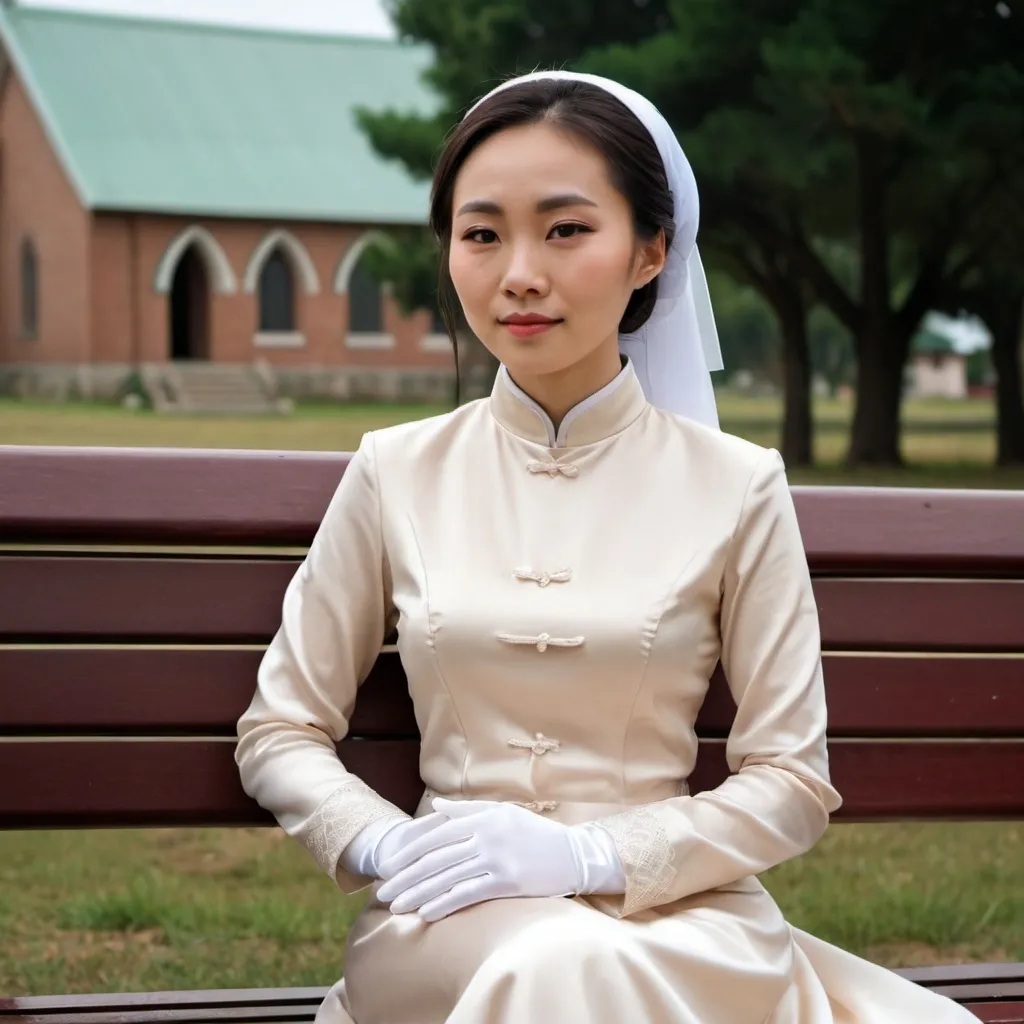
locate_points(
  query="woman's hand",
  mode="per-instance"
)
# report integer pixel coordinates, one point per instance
(400, 835)
(383, 839)
(486, 850)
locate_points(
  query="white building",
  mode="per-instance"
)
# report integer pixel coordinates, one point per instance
(939, 352)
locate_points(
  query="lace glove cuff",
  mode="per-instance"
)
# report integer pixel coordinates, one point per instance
(326, 833)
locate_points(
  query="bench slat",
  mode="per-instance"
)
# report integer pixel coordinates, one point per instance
(11, 1010)
(60, 783)
(203, 691)
(227, 998)
(238, 600)
(198, 1015)
(235, 600)
(981, 993)
(161, 691)
(900, 696)
(990, 991)
(994, 974)
(951, 615)
(271, 1004)
(987, 1013)
(918, 779)
(998, 1012)
(164, 496)
(881, 530)
(130, 495)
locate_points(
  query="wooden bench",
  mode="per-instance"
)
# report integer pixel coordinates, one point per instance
(137, 588)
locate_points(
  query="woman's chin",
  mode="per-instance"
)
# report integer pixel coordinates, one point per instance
(533, 356)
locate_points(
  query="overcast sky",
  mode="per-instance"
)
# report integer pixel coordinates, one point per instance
(354, 17)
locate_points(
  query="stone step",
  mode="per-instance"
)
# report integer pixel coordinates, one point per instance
(221, 389)
(199, 388)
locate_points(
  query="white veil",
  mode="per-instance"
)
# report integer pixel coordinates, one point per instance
(674, 352)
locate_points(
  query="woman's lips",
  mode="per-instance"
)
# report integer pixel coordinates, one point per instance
(528, 330)
(528, 326)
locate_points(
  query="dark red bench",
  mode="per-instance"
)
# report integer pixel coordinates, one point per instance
(921, 596)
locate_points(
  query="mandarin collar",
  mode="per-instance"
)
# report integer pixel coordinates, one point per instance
(602, 415)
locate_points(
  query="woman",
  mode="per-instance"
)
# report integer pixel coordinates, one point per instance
(566, 562)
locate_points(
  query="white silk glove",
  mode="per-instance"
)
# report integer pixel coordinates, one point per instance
(490, 850)
(383, 839)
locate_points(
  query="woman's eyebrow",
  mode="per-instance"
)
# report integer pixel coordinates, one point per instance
(567, 199)
(543, 206)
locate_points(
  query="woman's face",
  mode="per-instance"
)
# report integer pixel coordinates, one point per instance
(543, 255)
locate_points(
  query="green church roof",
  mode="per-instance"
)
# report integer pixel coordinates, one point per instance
(175, 117)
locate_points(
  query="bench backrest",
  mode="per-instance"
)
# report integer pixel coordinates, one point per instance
(139, 587)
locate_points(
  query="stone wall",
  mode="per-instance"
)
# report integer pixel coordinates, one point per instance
(110, 382)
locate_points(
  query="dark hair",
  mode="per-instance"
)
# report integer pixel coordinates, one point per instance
(593, 115)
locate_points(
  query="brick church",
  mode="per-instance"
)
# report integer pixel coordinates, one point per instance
(175, 194)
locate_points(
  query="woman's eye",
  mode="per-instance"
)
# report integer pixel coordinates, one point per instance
(484, 235)
(568, 230)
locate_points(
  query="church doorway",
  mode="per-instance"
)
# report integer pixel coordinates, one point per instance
(190, 308)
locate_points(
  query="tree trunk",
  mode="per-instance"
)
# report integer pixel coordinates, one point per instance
(1006, 321)
(875, 437)
(797, 422)
(772, 277)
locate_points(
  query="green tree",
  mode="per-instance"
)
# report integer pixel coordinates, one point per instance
(994, 290)
(768, 272)
(406, 258)
(832, 354)
(998, 298)
(882, 125)
(747, 331)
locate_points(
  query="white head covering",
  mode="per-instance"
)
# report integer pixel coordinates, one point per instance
(674, 352)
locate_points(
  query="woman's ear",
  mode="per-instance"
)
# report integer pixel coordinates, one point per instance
(650, 260)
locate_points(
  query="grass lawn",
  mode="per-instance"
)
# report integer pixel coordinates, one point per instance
(148, 910)
(130, 911)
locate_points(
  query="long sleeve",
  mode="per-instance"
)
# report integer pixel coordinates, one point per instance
(777, 802)
(333, 621)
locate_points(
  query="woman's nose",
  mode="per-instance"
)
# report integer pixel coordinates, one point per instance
(524, 274)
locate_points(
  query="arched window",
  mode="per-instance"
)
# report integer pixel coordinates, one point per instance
(364, 316)
(29, 290)
(277, 294)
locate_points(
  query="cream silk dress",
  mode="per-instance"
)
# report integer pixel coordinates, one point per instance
(561, 602)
